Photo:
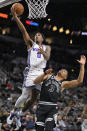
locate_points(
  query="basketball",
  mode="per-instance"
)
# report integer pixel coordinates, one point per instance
(19, 9)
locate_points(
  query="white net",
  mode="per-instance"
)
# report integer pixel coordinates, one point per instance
(37, 8)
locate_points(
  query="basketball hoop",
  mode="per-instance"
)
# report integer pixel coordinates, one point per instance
(37, 8)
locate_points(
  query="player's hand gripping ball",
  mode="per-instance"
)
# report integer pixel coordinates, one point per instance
(18, 8)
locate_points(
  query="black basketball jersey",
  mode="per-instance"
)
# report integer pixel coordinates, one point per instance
(51, 90)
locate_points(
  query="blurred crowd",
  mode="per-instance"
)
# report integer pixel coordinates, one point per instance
(71, 112)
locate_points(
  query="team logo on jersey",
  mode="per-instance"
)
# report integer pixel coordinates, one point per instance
(35, 49)
(51, 88)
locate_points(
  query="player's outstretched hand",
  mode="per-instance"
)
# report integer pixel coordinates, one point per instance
(49, 71)
(82, 60)
(13, 11)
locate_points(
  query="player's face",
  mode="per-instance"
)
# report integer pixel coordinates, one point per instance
(38, 38)
(63, 73)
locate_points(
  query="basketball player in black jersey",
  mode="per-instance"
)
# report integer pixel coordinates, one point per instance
(50, 93)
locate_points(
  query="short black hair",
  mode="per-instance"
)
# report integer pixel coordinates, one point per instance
(41, 34)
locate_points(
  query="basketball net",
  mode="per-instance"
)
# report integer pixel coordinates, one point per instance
(37, 8)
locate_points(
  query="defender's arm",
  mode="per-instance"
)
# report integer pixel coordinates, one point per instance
(74, 83)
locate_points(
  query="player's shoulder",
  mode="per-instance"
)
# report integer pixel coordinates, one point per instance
(33, 46)
(65, 83)
(47, 47)
(50, 76)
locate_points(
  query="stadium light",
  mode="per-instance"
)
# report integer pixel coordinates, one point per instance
(71, 41)
(3, 15)
(54, 28)
(61, 30)
(32, 23)
(67, 31)
(49, 19)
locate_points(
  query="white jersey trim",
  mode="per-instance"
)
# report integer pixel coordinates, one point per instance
(47, 103)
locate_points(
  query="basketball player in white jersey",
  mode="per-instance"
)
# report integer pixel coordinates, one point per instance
(38, 54)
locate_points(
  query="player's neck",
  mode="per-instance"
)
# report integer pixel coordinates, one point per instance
(58, 78)
(39, 43)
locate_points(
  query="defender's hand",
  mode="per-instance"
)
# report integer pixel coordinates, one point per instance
(49, 71)
(82, 60)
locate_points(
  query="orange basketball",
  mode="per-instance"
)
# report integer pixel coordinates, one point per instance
(19, 9)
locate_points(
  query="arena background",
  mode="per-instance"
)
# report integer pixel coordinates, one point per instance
(65, 29)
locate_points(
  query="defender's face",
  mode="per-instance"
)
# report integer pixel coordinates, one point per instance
(38, 37)
(63, 73)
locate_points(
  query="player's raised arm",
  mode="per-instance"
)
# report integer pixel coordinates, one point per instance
(74, 83)
(43, 76)
(29, 42)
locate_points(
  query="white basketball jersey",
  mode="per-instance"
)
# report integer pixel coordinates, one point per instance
(34, 59)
